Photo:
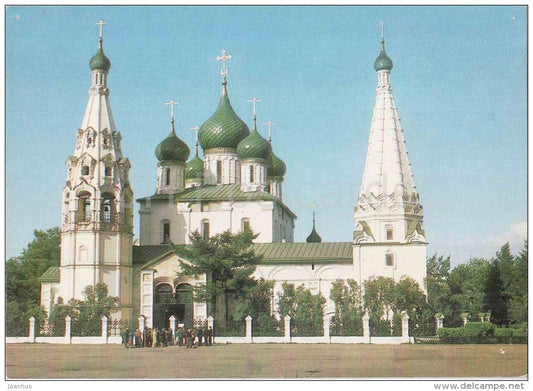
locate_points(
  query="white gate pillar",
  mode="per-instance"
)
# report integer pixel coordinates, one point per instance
(439, 321)
(287, 326)
(327, 323)
(104, 329)
(31, 333)
(366, 328)
(68, 323)
(172, 321)
(249, 329)
(405, 328)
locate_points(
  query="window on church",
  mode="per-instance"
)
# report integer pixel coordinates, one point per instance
(389, 259)
(251, 174)
(84, 207)
(167, 177)
(166, 232)
(107, 208)
(219, 171)
(85, 170)
(205, 229)
(107, 170)
(390, 233)
(245, 224)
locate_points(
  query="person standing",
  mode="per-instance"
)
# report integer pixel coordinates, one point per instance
(211, 335)
(179, 336)
(200, 335)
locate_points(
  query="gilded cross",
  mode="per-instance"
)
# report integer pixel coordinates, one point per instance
(270, 124)
(225, 57)
(172, 103)
(254, 100)
(101, 24)
(196, 128)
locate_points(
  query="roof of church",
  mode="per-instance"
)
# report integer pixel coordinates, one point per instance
(146, 253)
(231, 192)
(50, 275)
(383, 62)
(334, 252)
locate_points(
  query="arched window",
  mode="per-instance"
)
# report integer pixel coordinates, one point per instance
(84, 206)
(245, 224)
(108, 170)
(389, 259)
(390, 233)
(166, 231)
(167, 178)
(251, 174)
(219, 171)
(205, 229)
(163, 294)
(85, 170)
(107, 208)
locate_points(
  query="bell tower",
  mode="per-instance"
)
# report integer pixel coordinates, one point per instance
(97, 210)
(389, 239)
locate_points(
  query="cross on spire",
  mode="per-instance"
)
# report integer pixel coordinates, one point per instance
(101, 24)
(172, 103)
(254, 100)
(314, 212)
(270, 124)
(382, 24)
(196, 128)
(225, 57)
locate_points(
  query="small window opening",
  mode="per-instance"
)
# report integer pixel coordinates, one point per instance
(166, 233)
(251, 174)
(389, 259)
(390, 233)
(85, 170)
(167, 178)
(108, 171)
(205, 229)
(219, 171)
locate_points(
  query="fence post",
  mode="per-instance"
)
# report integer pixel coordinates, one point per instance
(31, 333)
(287, 320)
(327, 322)
(141, 323)
(465, 316)
(249, 329)
(405, 328)
(366, 328)
(104, 329)
(68, 322)
(211, 325)
(439, 321)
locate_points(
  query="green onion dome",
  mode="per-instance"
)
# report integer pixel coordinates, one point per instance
(277, 168)
(195, 168)
(172, 148)
(254, 147)
(383, 62)
(100, 61)
(313, 237)
(224, 129)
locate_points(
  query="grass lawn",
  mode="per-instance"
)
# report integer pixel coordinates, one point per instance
(289, 361)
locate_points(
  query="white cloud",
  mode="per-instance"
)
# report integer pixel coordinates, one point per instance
(462, 250)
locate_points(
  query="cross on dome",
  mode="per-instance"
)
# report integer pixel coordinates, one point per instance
(254, 100)
(270, 124)
(225, 57)
(101, 24)
(172, 103)
(382, 24)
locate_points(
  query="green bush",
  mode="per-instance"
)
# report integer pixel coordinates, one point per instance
(477, 329)
(500, 332)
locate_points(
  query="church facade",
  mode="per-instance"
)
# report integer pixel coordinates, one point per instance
(237, 184)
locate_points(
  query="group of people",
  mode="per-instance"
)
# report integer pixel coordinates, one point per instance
(158, 338)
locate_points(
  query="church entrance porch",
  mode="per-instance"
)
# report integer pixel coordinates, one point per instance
(176, 302)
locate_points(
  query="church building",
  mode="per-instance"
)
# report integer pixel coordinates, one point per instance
(234, 184)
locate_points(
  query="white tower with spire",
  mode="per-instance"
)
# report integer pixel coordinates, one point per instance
(389, 239)
(97, 209)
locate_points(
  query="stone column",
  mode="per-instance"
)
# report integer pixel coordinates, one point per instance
(287, 324)
(366, 328)
(327, 322)
(31, 333)
(104, 329)
(141, 321)
(465, 316)
(405, 328)
(68, 321)
(439, 321)
(211, 325)
(249, 329)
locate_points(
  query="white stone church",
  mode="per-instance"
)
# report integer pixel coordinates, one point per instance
(237, 184)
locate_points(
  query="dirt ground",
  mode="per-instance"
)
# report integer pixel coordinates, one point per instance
(265, 361)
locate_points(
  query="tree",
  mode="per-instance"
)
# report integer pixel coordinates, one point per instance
(519, 289)
(257, 304)
(305, 309)
(227, 260)
(23, 288)
(348, 318)
(496, 299)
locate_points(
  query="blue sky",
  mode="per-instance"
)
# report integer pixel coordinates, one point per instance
(459, 81)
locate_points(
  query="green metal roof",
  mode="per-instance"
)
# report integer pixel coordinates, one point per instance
(147, 253)
(383, 62)
(274, 253)
(231, 192)
(224, 129)
(313, 237)
(254, 146)
(50, 275)
(278, 168)
(414, 225)
(172, 148)
(100, 61)
(195, 168)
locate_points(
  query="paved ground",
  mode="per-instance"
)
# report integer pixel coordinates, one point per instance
(289, 361)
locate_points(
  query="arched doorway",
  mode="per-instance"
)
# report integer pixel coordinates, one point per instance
(168, 302)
